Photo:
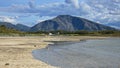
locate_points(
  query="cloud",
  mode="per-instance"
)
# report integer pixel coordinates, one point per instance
(96, 10)
(43, 18)
(8, 19)
(31, 4)
(75, 3)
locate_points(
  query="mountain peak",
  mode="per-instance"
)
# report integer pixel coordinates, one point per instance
(64, 16)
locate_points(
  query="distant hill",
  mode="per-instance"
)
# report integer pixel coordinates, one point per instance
(19, 27)
(116, 25)
(8, 25)
(69, 23)
(22, 27)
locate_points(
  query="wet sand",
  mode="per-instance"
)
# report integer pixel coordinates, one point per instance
(16, 52)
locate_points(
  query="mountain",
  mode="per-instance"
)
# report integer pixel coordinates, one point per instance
(8, 25)
(22, 27)
(116, 25)
(19, 27)
(69, 23)
(61, 22)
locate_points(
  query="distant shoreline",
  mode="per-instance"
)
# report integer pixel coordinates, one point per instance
(67, 42)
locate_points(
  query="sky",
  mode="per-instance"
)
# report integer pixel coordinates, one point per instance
(31, 12)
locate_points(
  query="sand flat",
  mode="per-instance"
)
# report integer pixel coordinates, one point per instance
(16, 52)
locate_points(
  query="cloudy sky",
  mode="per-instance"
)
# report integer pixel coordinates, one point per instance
(30, 12)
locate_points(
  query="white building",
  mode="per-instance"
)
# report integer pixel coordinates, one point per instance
(50, 34)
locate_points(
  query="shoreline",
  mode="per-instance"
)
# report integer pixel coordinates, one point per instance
(16, 51)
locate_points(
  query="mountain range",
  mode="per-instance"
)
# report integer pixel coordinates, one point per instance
(61, 22)
(19, 27)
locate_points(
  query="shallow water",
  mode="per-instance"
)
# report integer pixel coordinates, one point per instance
(89, 54)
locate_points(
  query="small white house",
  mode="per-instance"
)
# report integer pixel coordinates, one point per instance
(58, 33)
(50, 34)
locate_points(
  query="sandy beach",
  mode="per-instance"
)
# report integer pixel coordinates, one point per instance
(15, 52)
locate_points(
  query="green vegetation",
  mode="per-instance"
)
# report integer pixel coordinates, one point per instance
(3, 29)
(12, 32)
(8, 31)
(80, 33)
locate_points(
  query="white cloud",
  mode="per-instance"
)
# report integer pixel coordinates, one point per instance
(75, 3)
(31, 4)
(103, 11)
(8, 19)
(43, 18)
